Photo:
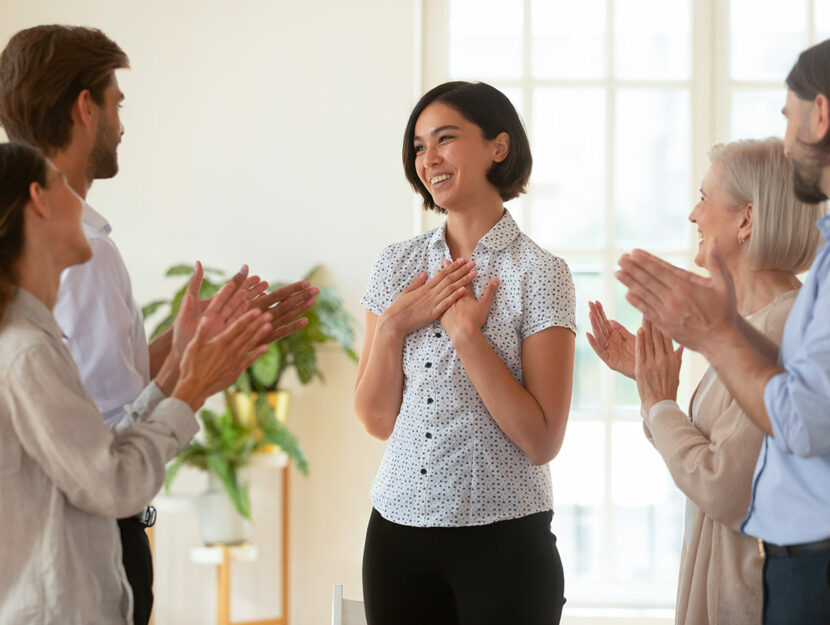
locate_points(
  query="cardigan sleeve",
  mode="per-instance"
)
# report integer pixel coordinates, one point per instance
(716, 472)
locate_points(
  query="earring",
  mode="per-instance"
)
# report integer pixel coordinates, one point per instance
(741, 240)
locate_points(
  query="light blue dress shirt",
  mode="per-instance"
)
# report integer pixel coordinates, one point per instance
(791, 487)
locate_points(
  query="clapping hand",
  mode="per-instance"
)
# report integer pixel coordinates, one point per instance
(657, 366)
(611, 341)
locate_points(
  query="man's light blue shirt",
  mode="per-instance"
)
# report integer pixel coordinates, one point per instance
(791, 488)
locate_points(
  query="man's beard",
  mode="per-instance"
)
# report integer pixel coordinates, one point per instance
(103, 161)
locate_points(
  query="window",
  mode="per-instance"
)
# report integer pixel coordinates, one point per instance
(621, 99)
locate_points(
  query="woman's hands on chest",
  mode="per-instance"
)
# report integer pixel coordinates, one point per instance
(424, 300)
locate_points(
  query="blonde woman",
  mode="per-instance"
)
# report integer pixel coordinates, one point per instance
(766, 237)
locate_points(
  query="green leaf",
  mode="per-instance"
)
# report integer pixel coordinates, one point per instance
(152, 307)
(163, 326)
(266, 368)
(277, 434)
(179, 270)
(236, 491)
(305, 361)
(243, 383)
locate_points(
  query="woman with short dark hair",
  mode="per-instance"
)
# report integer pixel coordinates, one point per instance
(467, 365)
(64, 476)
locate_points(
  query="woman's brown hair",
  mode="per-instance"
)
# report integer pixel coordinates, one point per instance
(20, 166)
(489, 109)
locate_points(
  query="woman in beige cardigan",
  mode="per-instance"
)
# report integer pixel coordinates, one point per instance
(766, 237)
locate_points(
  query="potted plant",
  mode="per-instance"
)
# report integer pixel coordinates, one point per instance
(254, 420)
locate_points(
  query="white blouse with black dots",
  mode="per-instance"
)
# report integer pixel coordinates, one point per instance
(448, 463)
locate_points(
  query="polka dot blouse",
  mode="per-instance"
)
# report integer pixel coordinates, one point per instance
(448, 463)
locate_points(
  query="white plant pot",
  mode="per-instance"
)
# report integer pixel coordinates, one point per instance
(219, 522)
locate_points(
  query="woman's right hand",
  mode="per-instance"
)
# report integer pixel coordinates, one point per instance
(611, 341)
(424, 300)
(212, 361)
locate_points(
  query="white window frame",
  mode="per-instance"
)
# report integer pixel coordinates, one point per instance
(711, 88)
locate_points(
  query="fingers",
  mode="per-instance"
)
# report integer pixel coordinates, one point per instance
(639, 353)
(221, 299)
(194, 286)
(240, 276)
(293, 306)
(417, 282)
(598, 350)
(188, 302)
(282, 294)
(283, 331)
(449, 300)
(486, 300)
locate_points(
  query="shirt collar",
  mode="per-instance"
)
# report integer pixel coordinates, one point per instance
(33, 310)
(95, 220)
(497, 238)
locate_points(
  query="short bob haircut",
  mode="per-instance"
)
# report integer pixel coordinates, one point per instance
(784, 233)
(43, 70)
(489, 109)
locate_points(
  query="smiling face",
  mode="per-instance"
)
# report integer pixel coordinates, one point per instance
(452, 157)
(716, 217)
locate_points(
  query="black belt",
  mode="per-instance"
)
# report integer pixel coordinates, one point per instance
(147, 517)
(819, 546)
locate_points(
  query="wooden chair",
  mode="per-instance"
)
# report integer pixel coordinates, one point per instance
(345, 611)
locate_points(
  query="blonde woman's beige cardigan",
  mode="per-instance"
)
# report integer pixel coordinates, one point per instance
(712, 459)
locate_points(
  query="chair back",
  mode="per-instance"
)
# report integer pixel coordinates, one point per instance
(345, 611)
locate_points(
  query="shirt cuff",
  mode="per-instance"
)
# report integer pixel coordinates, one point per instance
(661, 407)
(139, 409)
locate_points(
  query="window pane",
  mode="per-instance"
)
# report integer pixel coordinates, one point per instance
(757, 114)
(647, 508)
(578, 474)
(486, 39)
(767, 36)
(568, 38)
(822, 20)
(651, 182)
(651, 39)
(567, 206)
(588, 279)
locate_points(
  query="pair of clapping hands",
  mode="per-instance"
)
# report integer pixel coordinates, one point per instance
(215, 339)
(696, 311)
(648, 357)
(446, 296)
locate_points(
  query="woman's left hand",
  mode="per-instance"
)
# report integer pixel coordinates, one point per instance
(656, 366)
(467, 315)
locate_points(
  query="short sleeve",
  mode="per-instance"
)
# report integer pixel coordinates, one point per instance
(549, 298)
(378, 295)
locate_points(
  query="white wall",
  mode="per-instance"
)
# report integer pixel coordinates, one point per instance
(267, 132)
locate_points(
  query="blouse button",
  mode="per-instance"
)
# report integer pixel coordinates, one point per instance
(423, 471)
(438, 335)
(430, 400)
(429, 435)
(428, 365)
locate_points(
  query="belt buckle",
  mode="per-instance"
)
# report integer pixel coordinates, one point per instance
(147, 517)
(761, 548)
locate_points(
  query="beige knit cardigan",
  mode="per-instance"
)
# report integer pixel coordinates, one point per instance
(712, 460)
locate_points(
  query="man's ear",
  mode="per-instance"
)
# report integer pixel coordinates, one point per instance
(38, 200)
(84, 110)
(502, 143)
(821, 117)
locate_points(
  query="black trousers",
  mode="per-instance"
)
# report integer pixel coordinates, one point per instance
(503, 573)
(138, 564)
(797, 589)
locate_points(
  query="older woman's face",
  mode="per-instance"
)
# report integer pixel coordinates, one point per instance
(715, 217)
